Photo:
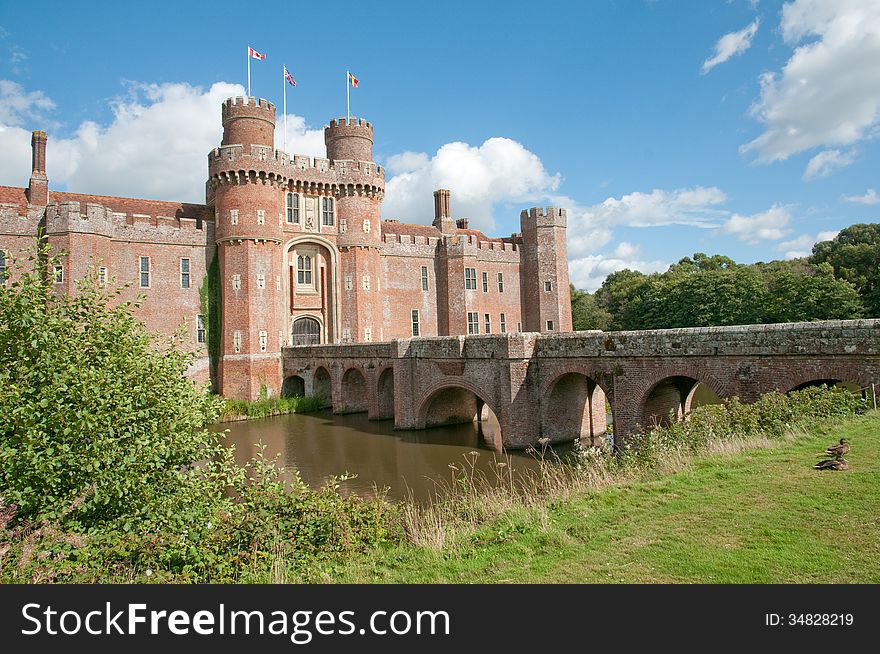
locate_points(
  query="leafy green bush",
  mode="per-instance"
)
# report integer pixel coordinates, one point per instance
(94, 410)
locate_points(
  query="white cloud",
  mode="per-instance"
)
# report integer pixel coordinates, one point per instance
(155, 147)
(767, 225)
(499, 170)
(826, 161)
(732, 44)
(870, 197)
(588, 273)
(828, 92)
(802, 246)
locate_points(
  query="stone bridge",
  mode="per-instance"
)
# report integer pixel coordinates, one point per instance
(559, 386)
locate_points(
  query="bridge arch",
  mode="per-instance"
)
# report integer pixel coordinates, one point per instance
(385, 394)
(323, 385)
(674, 392)
(833, 375)
(457, 401)
(354, 394)
(293, 386)
(573, 407)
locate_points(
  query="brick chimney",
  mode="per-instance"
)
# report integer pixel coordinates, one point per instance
(462, 223)
(442, 214)
(38, 186)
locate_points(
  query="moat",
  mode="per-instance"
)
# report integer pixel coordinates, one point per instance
(322, 444)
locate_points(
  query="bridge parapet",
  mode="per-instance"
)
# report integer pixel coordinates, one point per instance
(494, 346)
(839, 337)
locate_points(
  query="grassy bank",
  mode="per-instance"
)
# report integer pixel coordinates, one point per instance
(749, 511)
(234, 410)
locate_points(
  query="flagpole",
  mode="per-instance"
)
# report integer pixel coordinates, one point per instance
(284, 86)
(249, 73)
(347, 96)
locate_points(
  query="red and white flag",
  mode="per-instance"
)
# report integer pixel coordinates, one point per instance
(289, 77)
(256, 55)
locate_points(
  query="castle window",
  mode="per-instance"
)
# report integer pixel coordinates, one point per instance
(473, 322)
(327, 211)
(366, 281)
(503, 323)
(184, 273)
(236, 282)
(233, 216)
(367, 226)
(293, 208)
(424, 278)
(349, 284)
(549, 325)
(145, 272)
(548, 286)
(488, 322)
(415, 322)
(470, 279)
(264, 340)
(261, 282)
(368, 334)
(236, 341)
(343, 225)
(518, 327)
(485, 282)
(200, 328)
(3, 267)
(500, 282)
(304, 270)
(277, 282)
(261, 216)
(102, 276)
(346, 334)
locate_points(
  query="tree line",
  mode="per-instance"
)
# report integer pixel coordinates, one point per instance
(840, 280)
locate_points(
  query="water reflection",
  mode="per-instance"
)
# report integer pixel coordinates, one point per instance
(319, 445)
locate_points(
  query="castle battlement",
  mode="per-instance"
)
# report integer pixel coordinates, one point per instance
(350, 122)
(237, 102)
(543, 217)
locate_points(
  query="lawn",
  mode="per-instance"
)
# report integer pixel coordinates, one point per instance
(759, 516)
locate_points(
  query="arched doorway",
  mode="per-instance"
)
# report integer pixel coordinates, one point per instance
(306, 331)
(293, 386)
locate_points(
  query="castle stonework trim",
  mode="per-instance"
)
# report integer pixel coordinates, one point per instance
(303, 255)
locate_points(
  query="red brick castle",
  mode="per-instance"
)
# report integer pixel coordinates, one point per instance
(304, 256)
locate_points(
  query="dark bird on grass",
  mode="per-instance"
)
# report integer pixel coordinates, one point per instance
(837, 450)
(832, 464)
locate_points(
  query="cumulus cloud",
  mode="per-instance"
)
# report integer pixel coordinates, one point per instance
(770, 225)
(826, 161)
(499, 170)
(590, 228)
(155, 146)
(828, 92)
(732, 44)
(802, 246)
(870, 197)
(588, 273)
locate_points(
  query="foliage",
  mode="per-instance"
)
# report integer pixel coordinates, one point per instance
(95, 411)
(854, 254)
(269, 406)
(586, 314)
(715, 290)
(209, 305)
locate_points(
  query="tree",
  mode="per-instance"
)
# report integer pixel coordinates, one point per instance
(854, 255)
(98, 423)
(586, 313)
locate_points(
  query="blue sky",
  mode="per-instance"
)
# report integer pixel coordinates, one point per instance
(636, 115)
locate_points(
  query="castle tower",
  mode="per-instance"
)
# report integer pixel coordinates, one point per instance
(546, 297)
(358, 194)
(247, 195)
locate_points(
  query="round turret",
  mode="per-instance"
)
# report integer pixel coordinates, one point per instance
(350, 139)
(247, 122)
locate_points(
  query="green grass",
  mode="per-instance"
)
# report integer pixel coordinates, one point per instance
(263, 408)
(758, 516)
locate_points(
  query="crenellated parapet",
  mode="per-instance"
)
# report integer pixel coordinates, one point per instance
(349, 139)
(543, 217)
(72, 217)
